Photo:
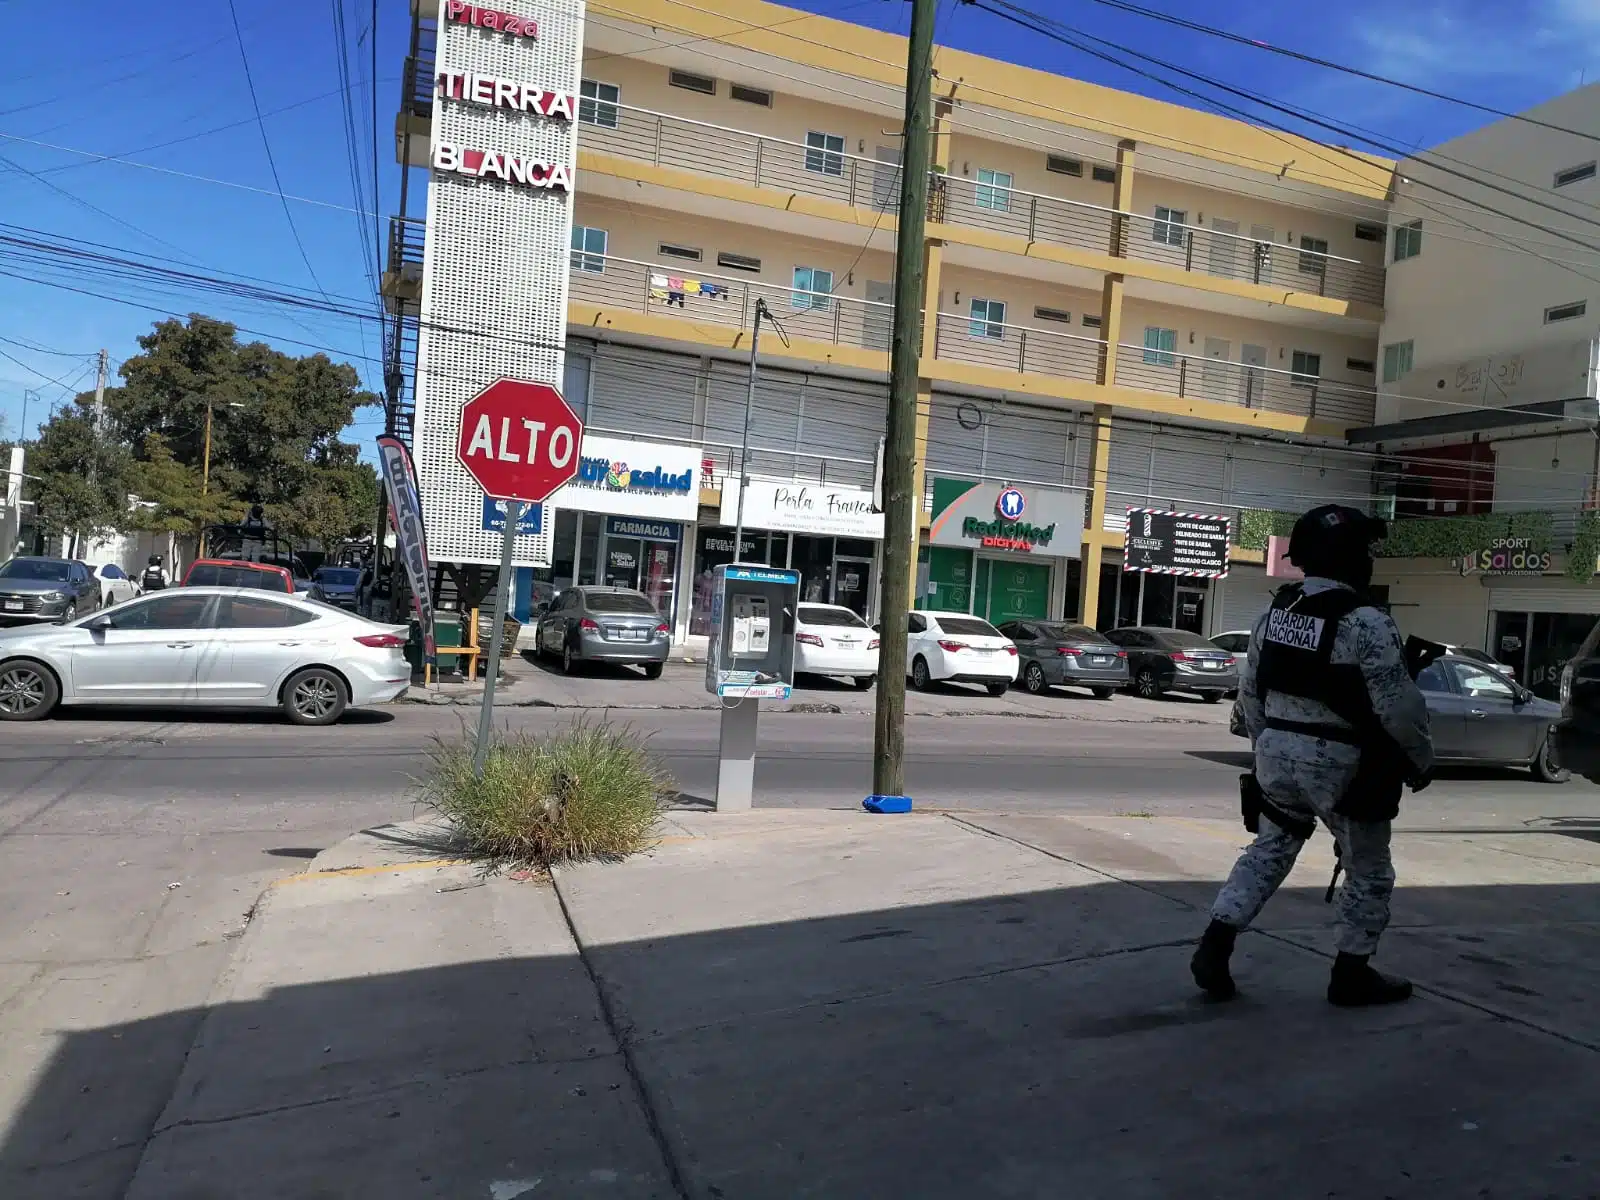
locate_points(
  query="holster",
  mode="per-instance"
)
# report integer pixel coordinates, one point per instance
(1253, 802)
(1374, 793)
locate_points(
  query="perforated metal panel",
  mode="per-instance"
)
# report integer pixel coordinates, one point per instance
(494, 279)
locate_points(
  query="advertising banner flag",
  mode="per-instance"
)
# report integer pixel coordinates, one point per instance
(411, 540)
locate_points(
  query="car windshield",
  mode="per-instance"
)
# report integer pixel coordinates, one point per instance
(1590, 643)
(1182, 639)
(48, 570)
(1070, 633)
(338, 576)
(617, 602)
(811, 615)
(217, 575)
(968, 627)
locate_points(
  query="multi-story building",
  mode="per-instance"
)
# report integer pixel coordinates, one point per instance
(1129, 305)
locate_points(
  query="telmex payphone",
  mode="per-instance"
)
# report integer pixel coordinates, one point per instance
(750, 652)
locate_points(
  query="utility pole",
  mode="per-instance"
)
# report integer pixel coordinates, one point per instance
(100, 394)
(205, 477)
(900, 431)
(28, 395)
(744, 445)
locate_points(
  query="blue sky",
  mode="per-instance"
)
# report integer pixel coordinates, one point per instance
(91, 75)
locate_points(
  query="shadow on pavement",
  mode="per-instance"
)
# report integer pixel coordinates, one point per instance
(1040, 1044)
(211, 716)
(590, 670)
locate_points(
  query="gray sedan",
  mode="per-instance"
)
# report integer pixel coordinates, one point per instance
(1057, 652)
(604, 624)
(35, 591)
(1482, 717)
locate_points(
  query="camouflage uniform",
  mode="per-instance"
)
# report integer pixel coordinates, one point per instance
(1307, 775)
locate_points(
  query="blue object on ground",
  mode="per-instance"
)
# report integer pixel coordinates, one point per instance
(887, 804)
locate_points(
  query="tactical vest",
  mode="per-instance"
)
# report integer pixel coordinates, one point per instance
(1296, 658)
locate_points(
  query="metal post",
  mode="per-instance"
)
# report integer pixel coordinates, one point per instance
(100, 394)
(205, 476)
(900, 430)
(497, 636)
(744, 444)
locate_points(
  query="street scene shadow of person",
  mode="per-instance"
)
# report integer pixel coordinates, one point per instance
(1043, 1043)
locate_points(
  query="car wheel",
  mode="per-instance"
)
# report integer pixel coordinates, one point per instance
(997, 689)
(1104, 693)
(315, 696)
(652, 670)
(1146, 684)
(1545, 768)
(28, 691)
(865, 683)
(569, 663)
(70, 615)
(920, 679)
(1033, 679)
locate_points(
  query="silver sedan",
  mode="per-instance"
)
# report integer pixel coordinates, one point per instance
(209, 647)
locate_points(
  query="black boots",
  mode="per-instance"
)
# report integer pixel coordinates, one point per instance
(1209, 966)
(1355, 984)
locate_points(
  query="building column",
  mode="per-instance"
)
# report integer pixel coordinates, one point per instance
(933, 268)
(1100, 442)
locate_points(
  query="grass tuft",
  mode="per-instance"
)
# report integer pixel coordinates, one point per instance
(588, 791)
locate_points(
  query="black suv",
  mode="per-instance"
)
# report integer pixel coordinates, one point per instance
(1578, 734)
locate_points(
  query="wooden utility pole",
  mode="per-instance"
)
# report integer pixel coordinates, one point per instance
(900, 434)
(100, 394)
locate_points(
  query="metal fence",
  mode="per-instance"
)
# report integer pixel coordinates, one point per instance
(1248, 386)
(1029, 350)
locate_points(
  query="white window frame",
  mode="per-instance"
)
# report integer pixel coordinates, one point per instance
(822, 157)
(1160, 346)
(1407, 241)
(597, 107)
(1313, 254)
(1300, 375)
(1171, 225)
(1568, 176)
(986, 319)
(1397, 360)
(584, 256)
(1570, 311)
(991, 192)
(807, 295)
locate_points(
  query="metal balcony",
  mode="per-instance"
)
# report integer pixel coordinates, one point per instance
(1253, 387)
(402, 274)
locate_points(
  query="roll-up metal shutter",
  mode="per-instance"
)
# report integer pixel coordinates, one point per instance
(1188, 471)
(1547, 472)
(642, 393)
(1545, 595)
(953, 450)
(575, 377)
(1128, 479)
(1296, 478)
(1026, 445)
(1242, 597)
(774, 421)
(841, 425)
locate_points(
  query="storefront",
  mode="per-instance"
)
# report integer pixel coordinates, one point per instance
(831, 535)
(1000, 551)
(620, 523)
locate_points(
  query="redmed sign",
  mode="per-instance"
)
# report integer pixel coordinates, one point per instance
(519, 440)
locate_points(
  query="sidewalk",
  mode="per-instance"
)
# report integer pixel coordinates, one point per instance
(530, 683)
(835, 1005)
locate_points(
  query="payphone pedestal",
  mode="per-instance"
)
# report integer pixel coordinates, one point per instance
(736, 756)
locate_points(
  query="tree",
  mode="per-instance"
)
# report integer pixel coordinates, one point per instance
(82, 477)
(171, 496)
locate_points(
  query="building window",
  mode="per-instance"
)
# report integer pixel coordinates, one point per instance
(1361, 366)
(1565, 312)
(1060, 164)
(1159, 345)
(750, 95)
(686, 253)
(1305, 369)
(1091, 320)
(1168, 229)
(1368, 233)
(1104, 174)
(1313, 255)
(988, 319)
(597, 103)
(1041, 313)
(1408, 241)
(813, 289)
(588, 249)
(1575, 174)
(739, 262)
(825, 153)
(691, 82)
(994, 190)
(1396, 360)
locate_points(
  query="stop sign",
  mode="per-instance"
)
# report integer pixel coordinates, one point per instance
(519, 440)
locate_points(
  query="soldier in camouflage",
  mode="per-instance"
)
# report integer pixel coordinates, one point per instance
(1304, 777)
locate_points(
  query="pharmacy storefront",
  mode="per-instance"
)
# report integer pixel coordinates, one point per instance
(831, 535)
(1001, 551)
(622, 522)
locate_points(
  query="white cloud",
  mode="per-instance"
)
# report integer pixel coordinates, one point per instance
(1549, 41)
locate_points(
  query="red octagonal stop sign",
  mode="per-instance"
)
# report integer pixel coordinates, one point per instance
(519, 440)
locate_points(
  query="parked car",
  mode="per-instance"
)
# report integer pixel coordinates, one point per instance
(38, 590)
(1236, 642)
(1174, 660)
(338, 585)
(1482, 717)
(1578, 732)
(604, 624)
(1482, 657)
(1058, 652)
(830, 639)
(207, 647)
(236, 572)
(954, 648)
(115, 586)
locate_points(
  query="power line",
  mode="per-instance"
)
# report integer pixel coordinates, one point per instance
(266, 143)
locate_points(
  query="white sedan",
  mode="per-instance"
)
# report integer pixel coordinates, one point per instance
(960, 649)
(115, 586)
(830, 639)
(207, 647)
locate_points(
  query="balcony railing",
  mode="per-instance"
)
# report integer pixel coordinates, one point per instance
(1018, 348)
(1255, 387)
(707, 299)
(834, 174)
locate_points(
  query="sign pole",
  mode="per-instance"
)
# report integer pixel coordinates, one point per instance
(497, 637)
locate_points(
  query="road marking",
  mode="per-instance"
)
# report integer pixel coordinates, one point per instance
(351, 872)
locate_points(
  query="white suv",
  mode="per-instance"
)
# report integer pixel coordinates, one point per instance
(960, 649)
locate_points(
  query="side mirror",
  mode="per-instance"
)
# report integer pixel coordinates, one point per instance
(541, 608)
(878, 628)
(99, 622)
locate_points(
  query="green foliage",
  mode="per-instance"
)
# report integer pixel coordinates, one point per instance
(589, 791)
(1585, 549)
(82, 476)
(1256, 525)
(171, 493)
(1452, 537)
